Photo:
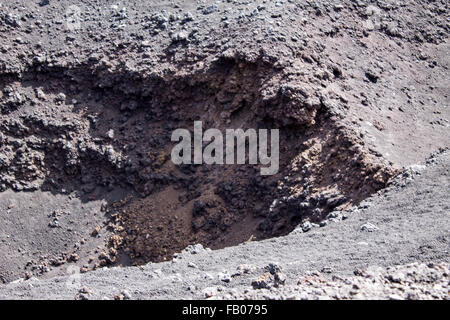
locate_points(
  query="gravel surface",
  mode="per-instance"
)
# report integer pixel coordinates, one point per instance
(416, 281)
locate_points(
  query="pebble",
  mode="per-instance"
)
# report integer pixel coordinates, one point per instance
(224, 276)
(210, 9)
(369, 227)
(306, 226)
(60, 97)
(126, 295)
(179, 36)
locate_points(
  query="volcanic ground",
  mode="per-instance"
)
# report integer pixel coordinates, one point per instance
(90, 94)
